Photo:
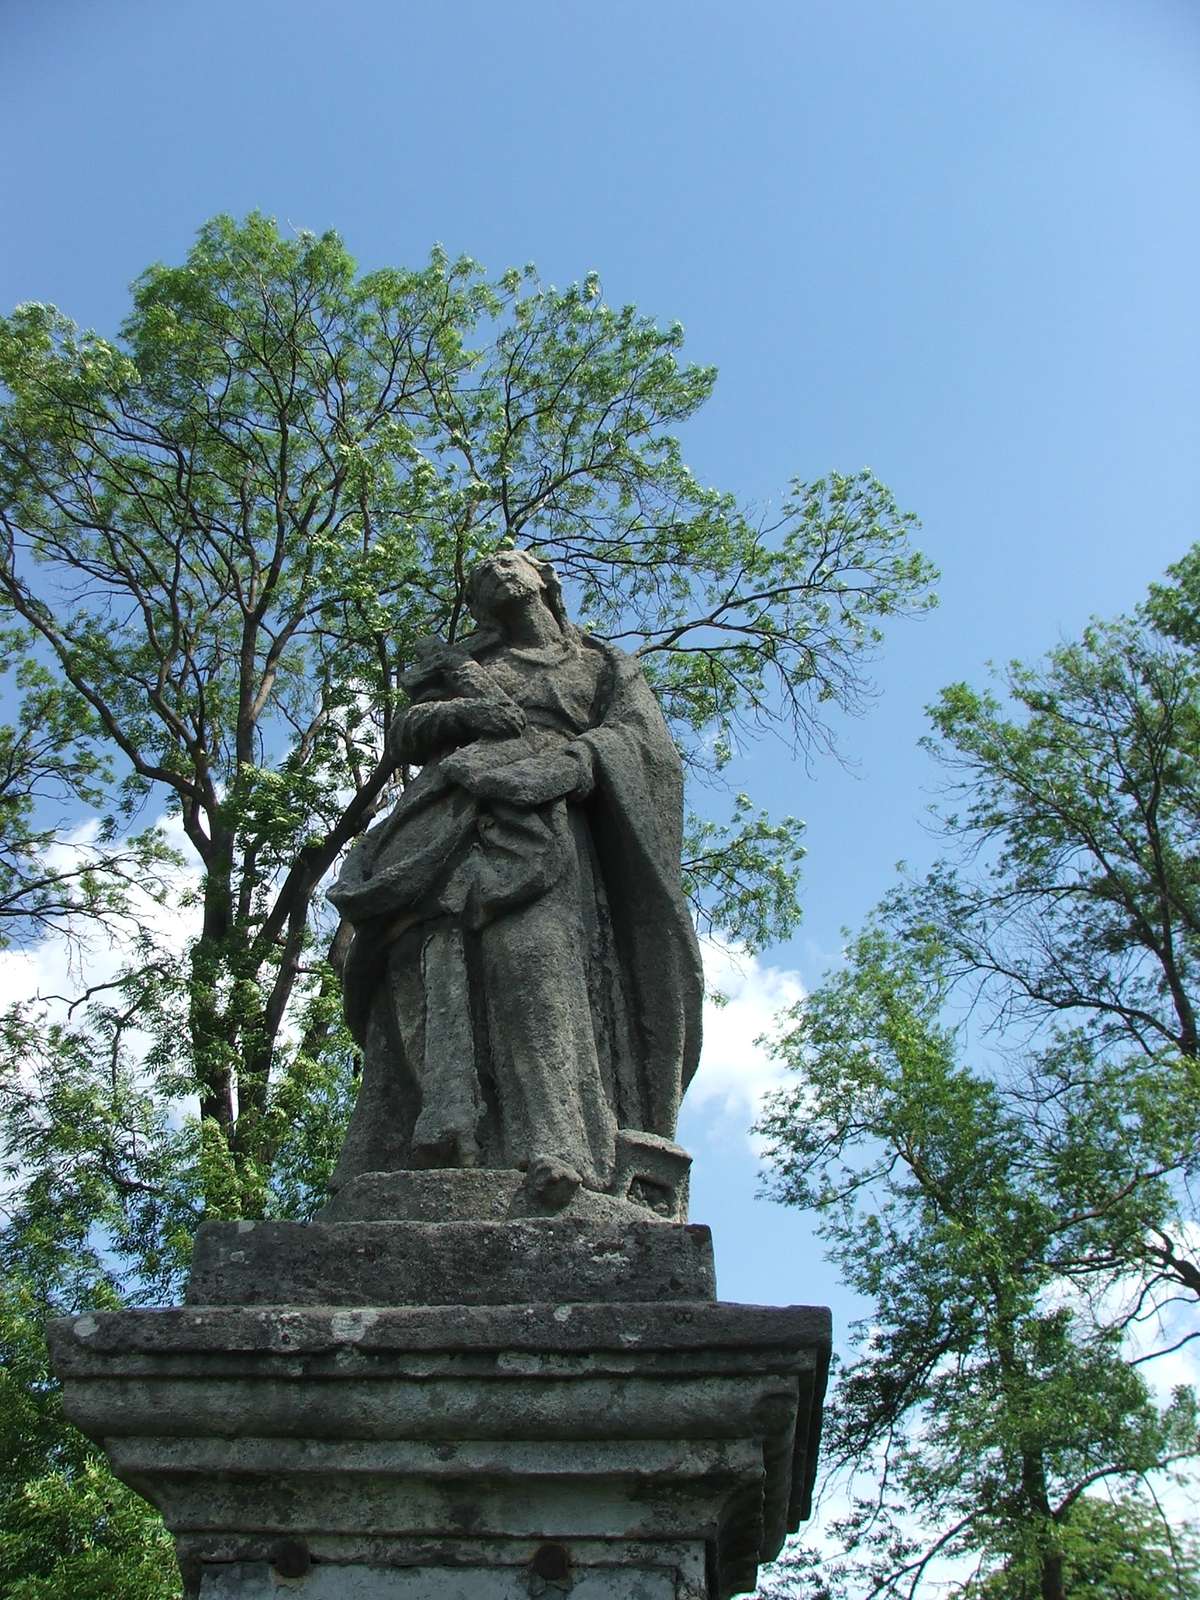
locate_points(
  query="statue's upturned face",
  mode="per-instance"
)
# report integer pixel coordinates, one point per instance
(506, 579)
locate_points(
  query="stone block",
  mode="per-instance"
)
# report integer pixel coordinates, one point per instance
(654, 1169)
(259, 1581)
(666, 1448)
(561, 1260)
(442, 1194)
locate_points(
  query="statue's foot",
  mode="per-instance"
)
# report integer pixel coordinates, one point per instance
(551, 1181)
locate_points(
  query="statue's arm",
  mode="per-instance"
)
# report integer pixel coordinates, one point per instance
(563, 774)
(434, 726)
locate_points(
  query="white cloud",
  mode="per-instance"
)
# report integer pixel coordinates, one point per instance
(56, 969)
(735, 1071)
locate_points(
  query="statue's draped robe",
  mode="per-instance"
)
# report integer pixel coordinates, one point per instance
(524, 980)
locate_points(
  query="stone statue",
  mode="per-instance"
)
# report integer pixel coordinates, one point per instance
(524, 978)
(495, 1362)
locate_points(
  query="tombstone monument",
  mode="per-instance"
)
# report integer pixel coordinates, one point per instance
(495, 1367)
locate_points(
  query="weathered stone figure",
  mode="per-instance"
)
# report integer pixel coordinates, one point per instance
(524, 978)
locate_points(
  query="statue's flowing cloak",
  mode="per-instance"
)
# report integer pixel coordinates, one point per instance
(395, 875)
(636, 815)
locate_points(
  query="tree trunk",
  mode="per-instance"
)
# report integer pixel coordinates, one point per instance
(1050, 1560)
(208, 1022)
(1053, 1583)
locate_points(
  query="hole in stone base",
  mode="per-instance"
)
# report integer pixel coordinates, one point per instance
(552, 1561)
(290, 1558)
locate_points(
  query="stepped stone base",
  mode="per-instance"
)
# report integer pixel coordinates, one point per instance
(249, 1580)
(595, 1423)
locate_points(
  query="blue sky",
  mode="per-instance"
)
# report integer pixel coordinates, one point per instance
(956, 242)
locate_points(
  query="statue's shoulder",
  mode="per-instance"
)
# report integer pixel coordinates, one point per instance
(615, 668)
(624, 692)
(612, 655)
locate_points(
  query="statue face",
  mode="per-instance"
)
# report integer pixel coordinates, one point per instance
(506, 579)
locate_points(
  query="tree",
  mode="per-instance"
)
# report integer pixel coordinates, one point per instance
(1116, 1551)
(227, 530)
(56, 880)
(985, 1402)
(1078, 908)
(223, 532)
(1038, 1215)
(67, 1526)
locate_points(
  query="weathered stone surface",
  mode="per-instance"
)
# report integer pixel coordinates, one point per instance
(489, 1195)
(512, 1559)
(418, 1437)
(495, 1368)
(537, 1260)
(258, 1581)
(524, 978)
(440, 1195)
(783, 1338)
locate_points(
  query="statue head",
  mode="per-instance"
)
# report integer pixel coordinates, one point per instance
(510, 578)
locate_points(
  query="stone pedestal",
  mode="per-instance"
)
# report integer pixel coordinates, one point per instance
(489, 1409)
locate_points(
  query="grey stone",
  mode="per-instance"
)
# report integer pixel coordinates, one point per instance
(495, 1367)
(782, 1338)
(610, 1561)
(536, 1260)
(644, 1164)
(259, 1581)
(439, 1195)
(416, 1437)
(524, 978)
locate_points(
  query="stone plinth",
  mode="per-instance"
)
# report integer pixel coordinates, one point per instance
(445, 1263)
(676, 1439)
(594, 1423)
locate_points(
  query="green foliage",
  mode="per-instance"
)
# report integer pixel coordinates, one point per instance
(1025, 1233)
(102, 1183)
(226, 530)
(1075, 909)
(986, 1397)
(58, 881)
(67, 1527)
(743, 877)
(1086, 802)
(1112, 1550)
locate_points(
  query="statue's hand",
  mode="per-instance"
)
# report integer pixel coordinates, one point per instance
(435, 725)
(535, 781)
(492, 719)
(416, 733)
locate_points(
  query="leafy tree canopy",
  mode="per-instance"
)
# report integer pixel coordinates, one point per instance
(1024, 1228)
(227, 528)
(991, 1389)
